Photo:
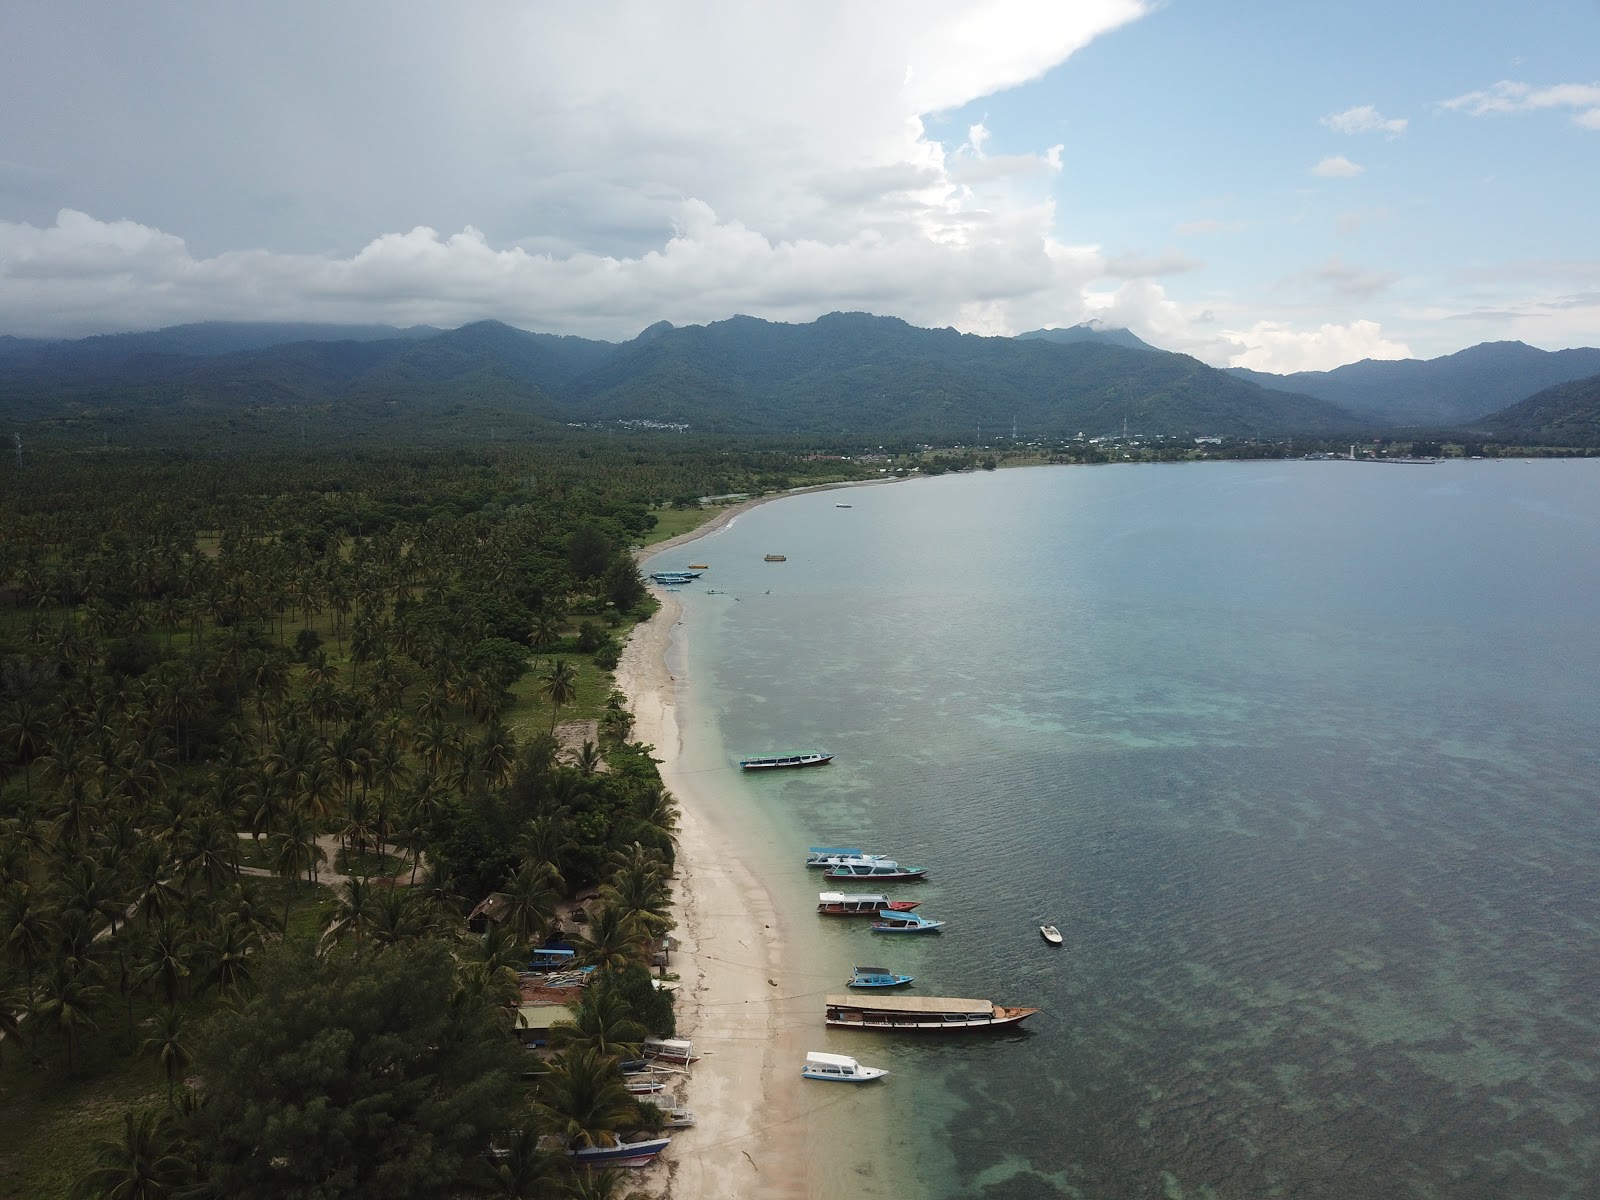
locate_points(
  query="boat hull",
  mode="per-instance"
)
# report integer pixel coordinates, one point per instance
(915, 873)
(624, 1154)
(774, 762)
(926, 1014)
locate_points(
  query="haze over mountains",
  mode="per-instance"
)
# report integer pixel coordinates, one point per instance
(845, 374)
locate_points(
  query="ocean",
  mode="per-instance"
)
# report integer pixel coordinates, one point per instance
(1302, 759)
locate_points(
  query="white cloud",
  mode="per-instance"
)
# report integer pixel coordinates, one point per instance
(1364, 119)
(605, 165)
(1278, 348)
(1508, 96)
(81, 275)
(1352, 281)
(1337, 166)
(1143, 266)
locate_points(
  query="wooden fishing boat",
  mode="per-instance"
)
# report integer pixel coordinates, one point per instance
(768, 762)
(842, 904)
(922, 1014)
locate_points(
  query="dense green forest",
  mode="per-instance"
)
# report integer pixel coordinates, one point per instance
(270, 727)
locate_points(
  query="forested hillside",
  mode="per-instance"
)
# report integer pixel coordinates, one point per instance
(270, 729)
(847, 374)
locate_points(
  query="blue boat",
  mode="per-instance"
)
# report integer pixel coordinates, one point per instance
(623, 1154)
(822, 856)
(877, 977)
(904, 922)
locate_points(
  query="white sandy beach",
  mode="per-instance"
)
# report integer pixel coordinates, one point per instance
(744, 1143)
(739, 996)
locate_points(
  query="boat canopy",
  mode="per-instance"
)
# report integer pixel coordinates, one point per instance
(848, 897)
(815, 1058)
(913, 1005)
(841, 851)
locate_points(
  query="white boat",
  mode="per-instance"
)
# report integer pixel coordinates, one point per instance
(827, 856)
(839, 1068)
(1050, 934)
(674, 1050)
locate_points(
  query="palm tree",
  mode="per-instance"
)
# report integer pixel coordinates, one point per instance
(583, 1100)
(29, 929)
(602, 1024)
(397, 915)
(590, 760)
(167, 959)
(560, 687)
(70, 997)
(294, 849)
(533, 892)
(606, 1184)
(517, 1169)
(612, 939)
(352, 913)
(170, 1048)
(144, 1164)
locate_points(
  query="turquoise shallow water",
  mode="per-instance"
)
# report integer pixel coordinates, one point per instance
(1302, 759)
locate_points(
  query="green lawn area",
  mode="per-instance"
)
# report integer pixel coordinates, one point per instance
(670, 522)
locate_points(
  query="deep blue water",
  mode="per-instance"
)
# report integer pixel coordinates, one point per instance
(1302, 758)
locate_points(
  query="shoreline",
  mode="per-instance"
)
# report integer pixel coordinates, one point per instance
(752, 1134)
(730, 952)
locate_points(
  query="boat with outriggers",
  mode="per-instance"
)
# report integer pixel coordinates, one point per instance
(839, 1068)
(623, 1154)
(673, 578)
(921, 1014)
(877, 977)
(844, 904)
(890, 921)
(768, 762)
(881, 869)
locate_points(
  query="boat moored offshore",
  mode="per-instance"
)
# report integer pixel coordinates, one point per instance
(827, 856)
(904, 922)
(921, 1014)
(844, 904)
(879, 869)
(839, 1068)
(877, 977)
(766, 762)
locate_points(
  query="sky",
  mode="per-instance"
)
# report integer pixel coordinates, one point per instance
(1278, 186)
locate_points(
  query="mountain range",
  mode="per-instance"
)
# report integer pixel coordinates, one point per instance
(1457, 389)
(845, 374)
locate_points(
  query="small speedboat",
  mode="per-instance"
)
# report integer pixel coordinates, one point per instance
(839, 1068)
(877, 977)
(904, 922)
(1050, 934)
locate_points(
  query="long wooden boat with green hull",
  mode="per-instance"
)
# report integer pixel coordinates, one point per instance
(921, 1014)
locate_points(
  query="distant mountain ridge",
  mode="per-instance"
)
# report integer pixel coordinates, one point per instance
(1439, 392)
(845, 373)
(1567, 414)
(1091, 331)
(851, 374)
